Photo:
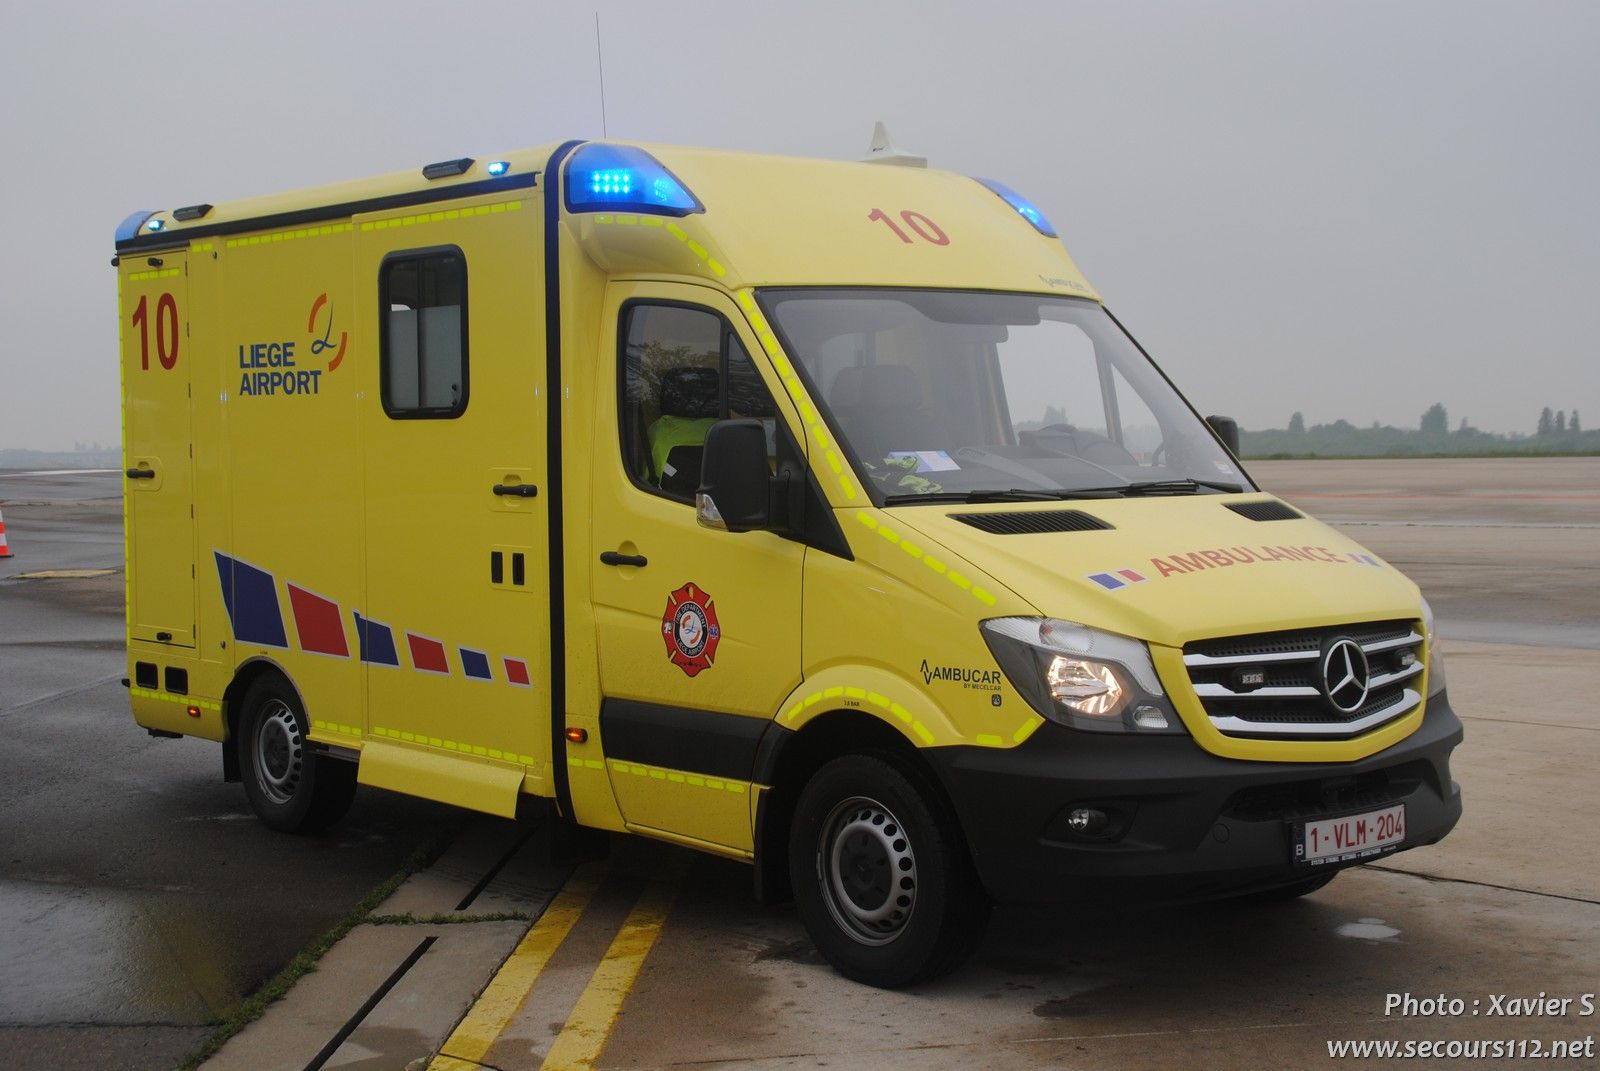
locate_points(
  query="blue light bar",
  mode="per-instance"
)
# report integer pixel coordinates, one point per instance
(496, 168)
(621, 178)
(1023, 206)
(129, 228)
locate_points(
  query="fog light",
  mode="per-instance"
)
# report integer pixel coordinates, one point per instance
(1086, 820)
(1150, 718)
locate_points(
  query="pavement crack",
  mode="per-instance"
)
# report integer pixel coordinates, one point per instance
(63, 694)
(1483, 884)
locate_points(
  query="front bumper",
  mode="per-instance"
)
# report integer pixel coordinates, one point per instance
(1185, 824)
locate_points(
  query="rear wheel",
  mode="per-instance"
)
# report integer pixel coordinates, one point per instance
(881, 876)
(289, 787)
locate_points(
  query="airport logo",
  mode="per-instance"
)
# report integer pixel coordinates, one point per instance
(271, 368)
(321, 344)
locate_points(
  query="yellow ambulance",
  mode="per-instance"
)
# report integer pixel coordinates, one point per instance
(813, 514)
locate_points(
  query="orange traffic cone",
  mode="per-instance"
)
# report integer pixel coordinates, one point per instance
(5, 548)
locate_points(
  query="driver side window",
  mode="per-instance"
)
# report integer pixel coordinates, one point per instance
(682, 369)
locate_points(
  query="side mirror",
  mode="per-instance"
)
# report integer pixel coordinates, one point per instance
(1227, 430)
(735, 492)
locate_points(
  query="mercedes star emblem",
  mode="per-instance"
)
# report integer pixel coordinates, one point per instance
(1346, 677)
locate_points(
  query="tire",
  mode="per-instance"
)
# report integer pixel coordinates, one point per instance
(1292, 891)
(289, 788)
(882, 879)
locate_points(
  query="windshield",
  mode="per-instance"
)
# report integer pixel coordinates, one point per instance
(955, 394)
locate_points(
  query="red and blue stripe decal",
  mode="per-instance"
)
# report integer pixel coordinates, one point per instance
(317, 622)
(475, 664)
(377, 641)
(250, 595)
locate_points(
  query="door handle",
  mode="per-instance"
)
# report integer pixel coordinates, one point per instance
(612, 557)
(141, 474)
(520, 490)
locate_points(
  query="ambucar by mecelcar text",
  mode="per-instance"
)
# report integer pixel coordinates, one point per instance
(812, 514)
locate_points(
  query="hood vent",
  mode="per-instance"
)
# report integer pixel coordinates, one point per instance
(1268, 510)
(1033, 522)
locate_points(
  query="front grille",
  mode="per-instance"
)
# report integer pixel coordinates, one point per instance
(1033, 522)
(1270, 685)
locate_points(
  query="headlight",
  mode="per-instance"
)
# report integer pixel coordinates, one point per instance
(1435, 655)
(1080, 676)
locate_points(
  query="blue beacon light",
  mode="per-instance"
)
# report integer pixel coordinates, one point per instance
(608, 178)
(1024, 207)
(496, 168)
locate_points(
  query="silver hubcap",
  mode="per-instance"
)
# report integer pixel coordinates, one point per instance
(279, 753)
(867, 871)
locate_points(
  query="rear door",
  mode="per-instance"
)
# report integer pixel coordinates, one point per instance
(159, 456)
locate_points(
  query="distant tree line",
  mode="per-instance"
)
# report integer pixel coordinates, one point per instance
(1556, 432)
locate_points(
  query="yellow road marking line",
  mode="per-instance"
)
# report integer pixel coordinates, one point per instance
(65, 574)
(500, 1001)
(594, 1016)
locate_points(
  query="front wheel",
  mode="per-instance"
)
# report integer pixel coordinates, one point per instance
(881, 876)
(290, 788)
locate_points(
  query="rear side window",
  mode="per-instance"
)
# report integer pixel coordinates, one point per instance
(422, 298)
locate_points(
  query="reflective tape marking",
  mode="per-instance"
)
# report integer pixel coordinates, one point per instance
(181, 700)
(659, 773)
(452, 745)
(916, 553)
(791, 383)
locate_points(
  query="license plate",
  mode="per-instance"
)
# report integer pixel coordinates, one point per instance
(1356, 836)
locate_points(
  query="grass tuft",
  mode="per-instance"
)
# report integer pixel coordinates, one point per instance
(305, 962)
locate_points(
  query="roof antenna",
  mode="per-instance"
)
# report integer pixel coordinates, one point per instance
(600, 62)
(884, 151)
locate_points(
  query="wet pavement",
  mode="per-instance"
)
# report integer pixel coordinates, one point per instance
(139, 899)
(657, 957)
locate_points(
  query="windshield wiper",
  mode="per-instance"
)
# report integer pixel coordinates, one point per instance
(1015, 494)
(1034, 494)
(1157, 487)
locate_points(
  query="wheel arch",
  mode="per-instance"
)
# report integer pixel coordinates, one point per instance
(789, 758)
(245, 677)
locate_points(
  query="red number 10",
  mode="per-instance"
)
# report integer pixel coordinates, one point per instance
(925, 228)
(166, 331)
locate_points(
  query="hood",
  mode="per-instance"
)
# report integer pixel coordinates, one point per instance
(1174, 569)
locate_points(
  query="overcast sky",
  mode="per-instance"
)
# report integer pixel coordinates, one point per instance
(1353, 210)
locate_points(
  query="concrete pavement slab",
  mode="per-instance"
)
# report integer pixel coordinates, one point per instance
(408, 1023)
(494, 866)
(733, 985)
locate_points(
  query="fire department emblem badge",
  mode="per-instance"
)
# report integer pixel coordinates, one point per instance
(690, 629)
